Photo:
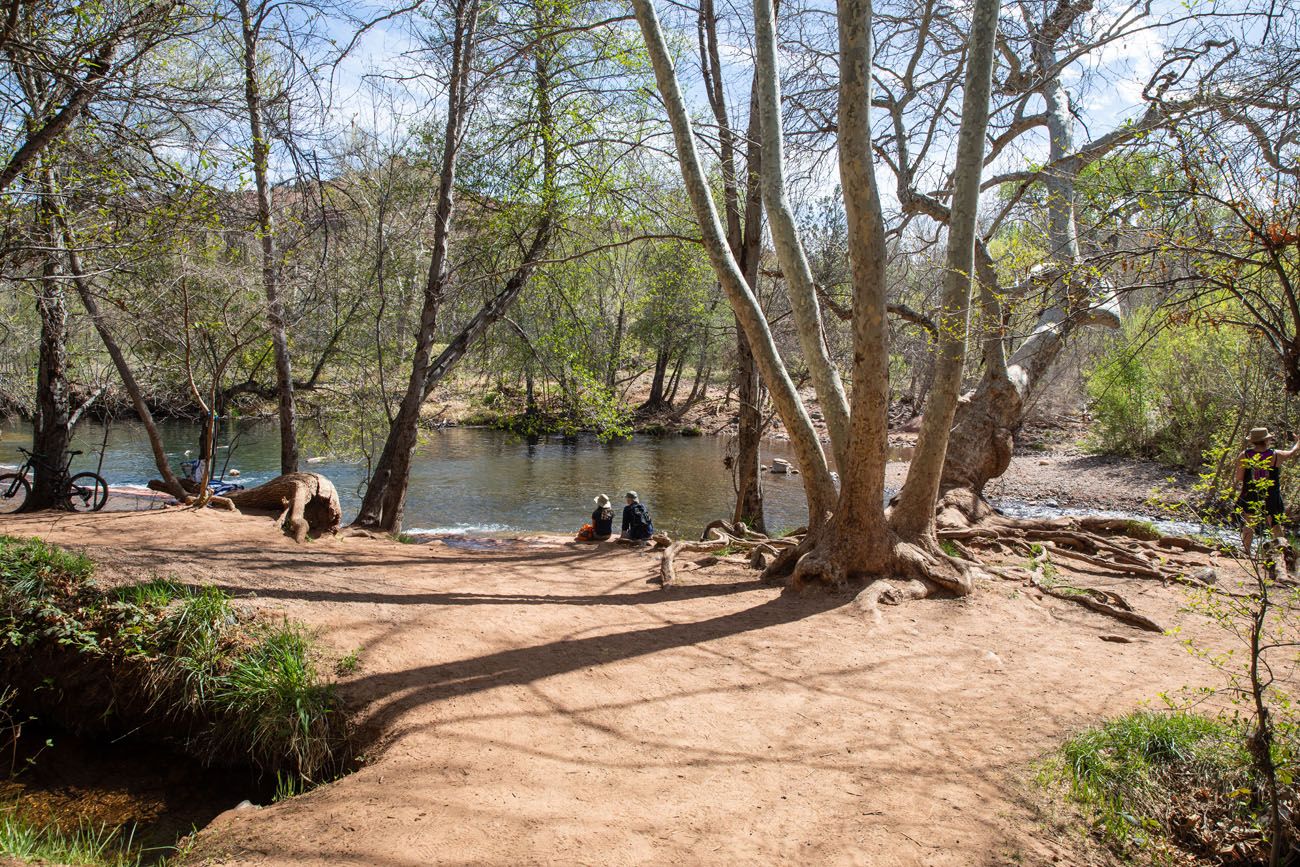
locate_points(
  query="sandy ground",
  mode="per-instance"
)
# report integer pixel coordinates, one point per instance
(543, 702)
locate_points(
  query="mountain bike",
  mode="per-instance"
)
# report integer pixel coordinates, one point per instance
(83, 492)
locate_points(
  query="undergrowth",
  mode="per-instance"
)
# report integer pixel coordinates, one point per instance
(164, 660)
(1166, 787)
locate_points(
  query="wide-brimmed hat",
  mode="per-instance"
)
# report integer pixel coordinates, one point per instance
(631, 495)
(1260, 435)
(601, 500)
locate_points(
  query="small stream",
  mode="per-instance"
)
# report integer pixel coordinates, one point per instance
(151, 796)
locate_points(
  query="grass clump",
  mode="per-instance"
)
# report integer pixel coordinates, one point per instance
(160, 659)
(1165, 786)
(86, 845)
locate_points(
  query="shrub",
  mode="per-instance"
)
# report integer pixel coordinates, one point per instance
(1160, 782)
(1169, 395)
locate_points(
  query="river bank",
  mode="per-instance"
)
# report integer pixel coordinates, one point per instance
(537, 699)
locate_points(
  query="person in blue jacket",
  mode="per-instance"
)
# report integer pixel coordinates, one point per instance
(637, 525)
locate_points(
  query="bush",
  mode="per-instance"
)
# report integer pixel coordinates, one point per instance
(1160, 783)
(1173, 395)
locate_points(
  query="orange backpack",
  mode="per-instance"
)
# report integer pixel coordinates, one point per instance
(587, 533)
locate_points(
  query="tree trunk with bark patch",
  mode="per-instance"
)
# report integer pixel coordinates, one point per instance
(171, 483)
(52, 430)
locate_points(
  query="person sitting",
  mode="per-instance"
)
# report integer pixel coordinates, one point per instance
(1259, 473)
(637, 526)
(602, 520)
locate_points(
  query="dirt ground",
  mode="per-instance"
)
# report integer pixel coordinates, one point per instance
(544, 702)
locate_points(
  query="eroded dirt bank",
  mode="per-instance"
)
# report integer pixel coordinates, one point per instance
(545, 702)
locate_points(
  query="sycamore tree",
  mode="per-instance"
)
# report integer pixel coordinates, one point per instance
(850, 535)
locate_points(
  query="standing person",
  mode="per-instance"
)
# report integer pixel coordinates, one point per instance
(1259, 474)
(637, 526)
(602, 520)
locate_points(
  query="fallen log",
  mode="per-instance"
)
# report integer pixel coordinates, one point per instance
(306, 504)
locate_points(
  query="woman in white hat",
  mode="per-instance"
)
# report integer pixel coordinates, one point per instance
(602, 520)
(1259, 474)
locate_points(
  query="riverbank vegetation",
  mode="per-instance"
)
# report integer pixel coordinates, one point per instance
(165, 661)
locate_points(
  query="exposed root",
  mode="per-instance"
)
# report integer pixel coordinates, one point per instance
(667, 572)
(1101, 601)
(884, 592)
(305, 503)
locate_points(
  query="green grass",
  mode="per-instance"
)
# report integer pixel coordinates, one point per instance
(1141, 776)
(950, 549)
(86, 845)
(151, 594)
(275, 704)
(35, 569)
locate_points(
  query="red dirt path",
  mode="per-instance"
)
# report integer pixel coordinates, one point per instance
(545, 702)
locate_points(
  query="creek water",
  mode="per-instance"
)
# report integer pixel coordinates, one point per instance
(480, 482)
(469, 480)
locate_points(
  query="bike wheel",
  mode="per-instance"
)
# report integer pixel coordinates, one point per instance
(87, 492)
(14, 491)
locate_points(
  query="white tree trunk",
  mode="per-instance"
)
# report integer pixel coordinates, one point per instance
(818, 485)
(914, 515)
(785, 237)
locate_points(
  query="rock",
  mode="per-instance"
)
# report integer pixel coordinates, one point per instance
(1116, 639)
(707, 561)
(1044, 463)
(992, 659)
(1051, 504)
(1205, 575)
(246, 805)
(234, 474)
(758, 559)
(913, 425)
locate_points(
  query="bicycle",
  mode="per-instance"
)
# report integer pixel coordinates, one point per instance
(83, 492)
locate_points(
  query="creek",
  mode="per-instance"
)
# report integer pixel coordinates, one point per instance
(467, 480)
(478, 482)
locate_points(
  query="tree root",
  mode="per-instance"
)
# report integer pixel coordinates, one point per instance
(717, 536)
(1101, 601)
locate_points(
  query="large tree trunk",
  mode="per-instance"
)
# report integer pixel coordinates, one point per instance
(655, 401)
(52, 430)
(393, 466)
(857, 540)
(913, 517)
(818, 485)
(266, 236)
(988, 419)
(386, 496)
(745, 238)
(749, 438)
